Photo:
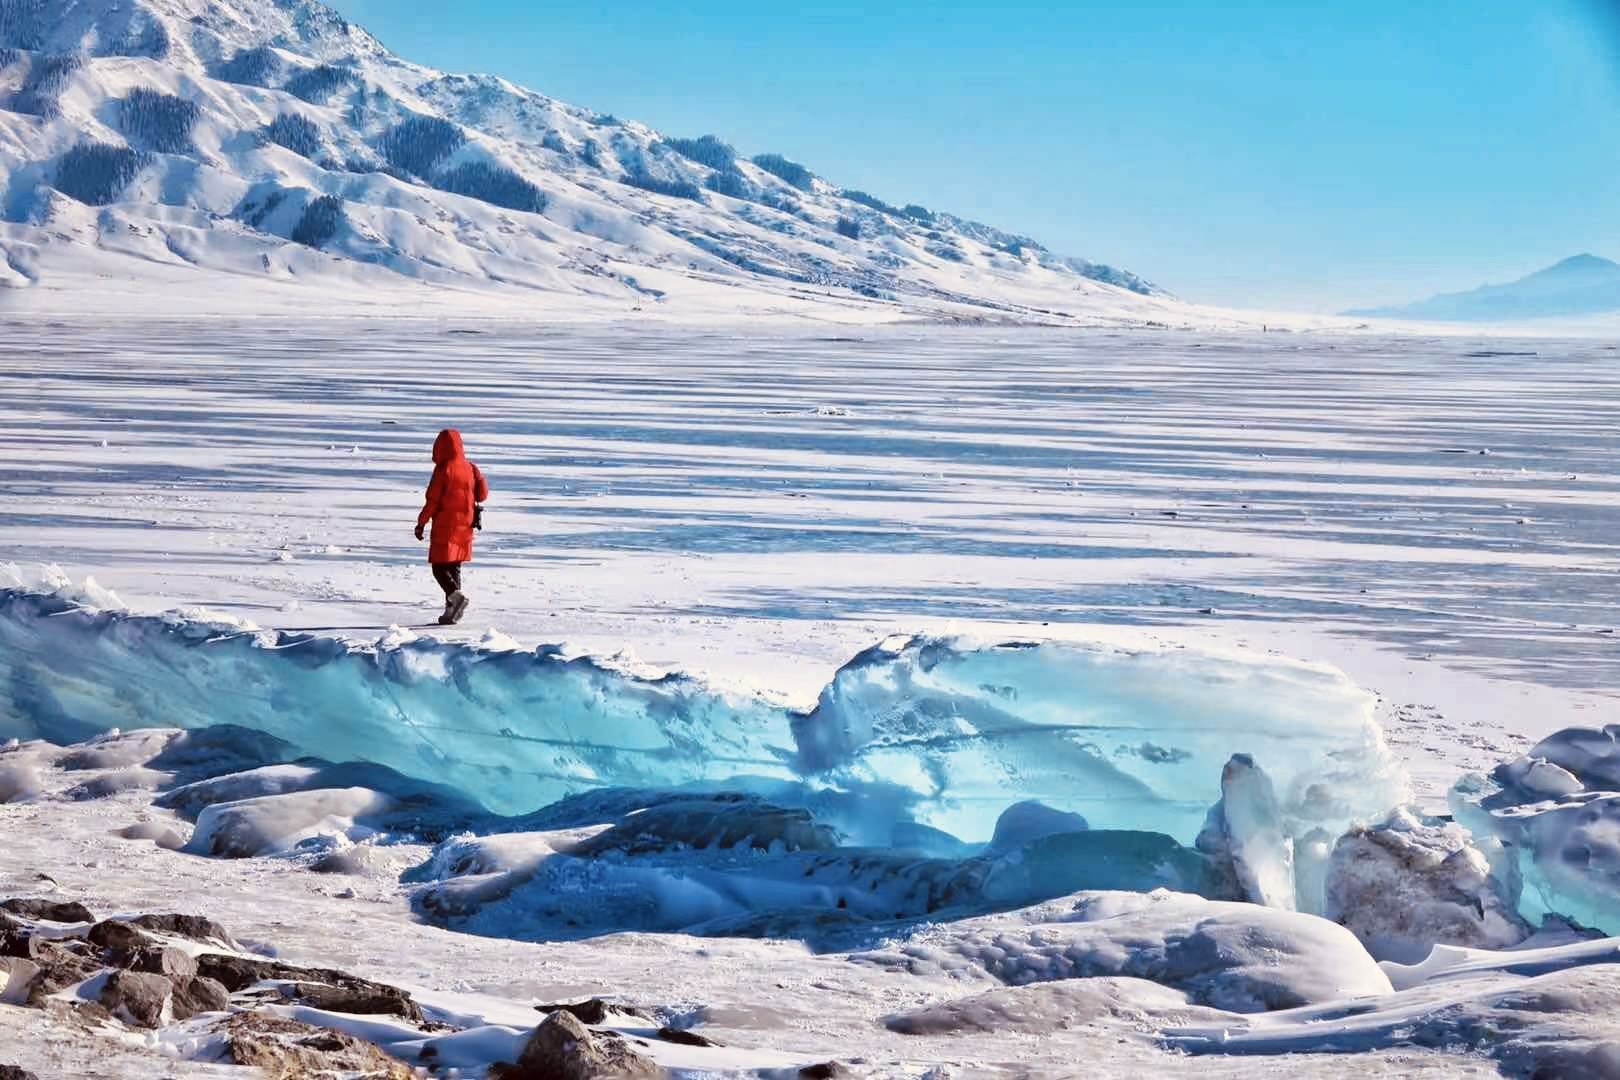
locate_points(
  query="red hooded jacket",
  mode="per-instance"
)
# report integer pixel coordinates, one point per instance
(456, 486)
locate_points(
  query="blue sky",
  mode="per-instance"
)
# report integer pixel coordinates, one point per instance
(1252, 154)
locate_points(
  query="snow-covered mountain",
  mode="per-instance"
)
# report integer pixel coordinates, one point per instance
(1580, 285)
(208, 149)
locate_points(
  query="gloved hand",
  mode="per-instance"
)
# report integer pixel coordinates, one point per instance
(419, 533)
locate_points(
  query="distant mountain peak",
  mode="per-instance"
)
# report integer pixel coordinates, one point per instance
(1580, 285)
(1584, 262)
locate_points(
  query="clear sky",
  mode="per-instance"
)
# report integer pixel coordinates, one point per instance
(1305, 155)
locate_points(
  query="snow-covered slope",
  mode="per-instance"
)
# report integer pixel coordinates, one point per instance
(190, 153)
(1580, 285)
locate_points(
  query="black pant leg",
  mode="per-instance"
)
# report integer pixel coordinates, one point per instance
(448, 575)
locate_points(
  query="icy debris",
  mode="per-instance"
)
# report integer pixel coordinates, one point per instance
(1550, 824)
(1231, 956)
(1410, 884)
(89, 594)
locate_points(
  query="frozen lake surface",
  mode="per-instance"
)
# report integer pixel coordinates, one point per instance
(1435, 516)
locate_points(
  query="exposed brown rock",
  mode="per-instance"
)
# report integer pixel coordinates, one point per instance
(138, 998)
(50, 910)
(117, 934)
(824, 1070)
(593, 1011)
(187, 926)
(563, 1048)
(200, 996)
(13, 1072)
(176, 965)
(684, 1037)
(60, 967)
(289, 1050)
(318, 987)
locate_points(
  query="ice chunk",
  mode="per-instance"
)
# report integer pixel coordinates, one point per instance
(1128, 739)
(520, 729)
(1245, 832)
(1410, 884)
(1550, 825)
(1237, 957)
(931, 733)
(1022, 822)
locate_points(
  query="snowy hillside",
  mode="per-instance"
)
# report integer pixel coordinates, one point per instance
(188, 153)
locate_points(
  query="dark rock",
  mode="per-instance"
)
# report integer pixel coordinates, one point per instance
(12, 1072)
(684, 1037)
(117, 934)
(356, 999)
(563, 1048)
(287, 1048)
(49, 910)
(59, 968)
(176, 965)
(200, 996)
(825, 1070)
(137, 997)
(318, 987)
(593, 1011)
(187, 926)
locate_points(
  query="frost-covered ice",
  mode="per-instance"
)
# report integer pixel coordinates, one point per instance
(1550, 821)
(937, 733)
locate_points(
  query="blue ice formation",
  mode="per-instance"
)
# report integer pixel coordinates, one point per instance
(915, 743)
(1550, 824)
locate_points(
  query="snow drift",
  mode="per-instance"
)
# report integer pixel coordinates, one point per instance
(929, 734)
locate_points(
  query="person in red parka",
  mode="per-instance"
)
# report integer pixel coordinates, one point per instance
(453, 503)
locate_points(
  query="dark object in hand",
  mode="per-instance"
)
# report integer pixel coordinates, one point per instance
(478, 516)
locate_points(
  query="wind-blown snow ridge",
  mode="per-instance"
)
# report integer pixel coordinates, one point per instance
(922, 732)
(279, 143)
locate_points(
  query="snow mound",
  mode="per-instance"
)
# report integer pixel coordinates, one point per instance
(1561, 1024)
(939, 734)
(1550, 824)
(1231, 956)
(1043, 1008)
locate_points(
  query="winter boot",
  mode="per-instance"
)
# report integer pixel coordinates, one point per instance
(456, 606)
(449, 605)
